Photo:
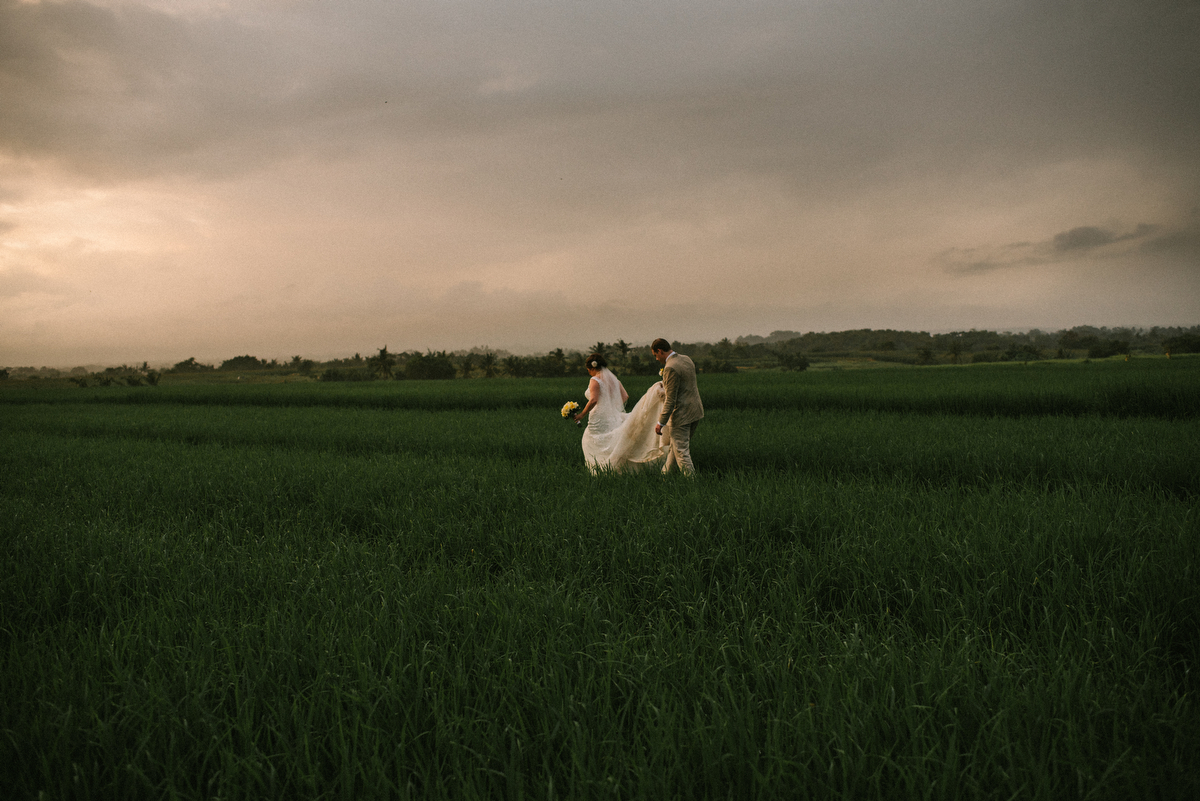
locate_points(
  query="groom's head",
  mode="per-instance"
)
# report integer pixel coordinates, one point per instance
(661, 349)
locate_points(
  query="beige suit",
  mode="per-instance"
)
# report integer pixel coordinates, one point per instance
(682, 409)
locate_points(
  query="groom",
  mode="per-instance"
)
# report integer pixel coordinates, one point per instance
(681, 407)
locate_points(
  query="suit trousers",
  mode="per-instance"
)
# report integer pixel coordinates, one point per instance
(680, 452)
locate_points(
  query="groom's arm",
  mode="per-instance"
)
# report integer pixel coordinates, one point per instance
(670, 386)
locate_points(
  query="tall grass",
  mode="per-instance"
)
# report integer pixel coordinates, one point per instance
(224, 600)
(1120, 452)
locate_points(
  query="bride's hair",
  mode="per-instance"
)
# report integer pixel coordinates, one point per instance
(596, 361)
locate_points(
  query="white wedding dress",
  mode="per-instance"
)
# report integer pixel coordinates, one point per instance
(615, 440)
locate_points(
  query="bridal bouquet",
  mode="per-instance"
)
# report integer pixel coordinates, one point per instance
(568, 408)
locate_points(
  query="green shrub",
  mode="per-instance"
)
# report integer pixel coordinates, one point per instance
(793, 361)
(1184, 343)
(243, 363)
(716, 366)
(346, 374)
(190, 365)
(430, 366)
(1105, 349)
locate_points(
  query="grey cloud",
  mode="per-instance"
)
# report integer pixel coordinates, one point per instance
(821, 95)
(1083, 238)
(1093, 241)
(134, 92)
(967, 261)
(1088, 237)
(1184, 242)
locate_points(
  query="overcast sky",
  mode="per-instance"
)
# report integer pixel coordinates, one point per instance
(210, 178)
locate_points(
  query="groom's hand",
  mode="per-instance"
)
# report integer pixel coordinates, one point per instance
(658, 429)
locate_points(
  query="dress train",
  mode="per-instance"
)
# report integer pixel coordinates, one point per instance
(619, 441)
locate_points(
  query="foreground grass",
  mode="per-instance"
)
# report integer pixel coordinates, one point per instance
(260, 602)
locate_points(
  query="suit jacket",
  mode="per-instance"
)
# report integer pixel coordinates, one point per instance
(682, 403)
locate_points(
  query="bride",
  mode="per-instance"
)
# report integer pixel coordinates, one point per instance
(613, 439)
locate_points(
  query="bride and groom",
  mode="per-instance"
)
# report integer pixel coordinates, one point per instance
(660, 427)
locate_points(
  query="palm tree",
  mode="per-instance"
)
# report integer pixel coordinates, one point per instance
(467, 365)
(600, 348)
(488, 362)
(623, 346)
(956, 349)
(381, 363)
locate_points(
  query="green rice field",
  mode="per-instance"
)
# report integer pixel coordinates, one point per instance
(949, 582)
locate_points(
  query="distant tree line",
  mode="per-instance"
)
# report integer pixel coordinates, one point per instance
(957, 347)
(787, 350)
(487, 363)
(123, 376)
